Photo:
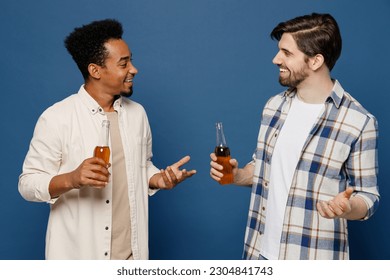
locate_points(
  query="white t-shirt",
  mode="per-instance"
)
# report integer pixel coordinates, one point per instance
(300, 120)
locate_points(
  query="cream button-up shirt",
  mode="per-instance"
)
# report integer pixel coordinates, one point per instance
(79, 225)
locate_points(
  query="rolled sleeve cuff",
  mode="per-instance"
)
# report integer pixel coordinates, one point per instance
(371, 201)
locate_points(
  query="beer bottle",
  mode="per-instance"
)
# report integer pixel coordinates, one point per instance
(102, 150)
(222, 152)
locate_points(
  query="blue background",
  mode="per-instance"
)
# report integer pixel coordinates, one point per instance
(199, 62)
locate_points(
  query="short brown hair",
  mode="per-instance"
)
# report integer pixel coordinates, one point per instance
(314, 34)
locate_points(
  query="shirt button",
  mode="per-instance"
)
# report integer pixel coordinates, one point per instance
(263, 208)
(107, 201)
(106, 228)
(265, 184)
(106, 253)
(276, 135)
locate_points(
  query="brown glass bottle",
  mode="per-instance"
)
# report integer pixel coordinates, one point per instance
(222, 152)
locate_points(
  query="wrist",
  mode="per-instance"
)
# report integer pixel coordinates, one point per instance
(154, 180)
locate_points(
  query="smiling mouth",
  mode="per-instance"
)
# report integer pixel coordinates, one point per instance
(129, 80)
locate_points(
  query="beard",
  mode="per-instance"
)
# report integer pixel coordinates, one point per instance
(127, 94)
(294, 79)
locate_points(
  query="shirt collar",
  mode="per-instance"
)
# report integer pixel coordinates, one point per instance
(336, 96)
(94, 107)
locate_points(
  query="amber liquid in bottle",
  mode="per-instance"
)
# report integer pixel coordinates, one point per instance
(222, 152)
(223, 157)
(103, 150)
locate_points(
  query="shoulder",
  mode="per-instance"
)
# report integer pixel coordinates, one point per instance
(60, 109)
(354, 104)
(275, 101)
(349, 107)
(355, 110)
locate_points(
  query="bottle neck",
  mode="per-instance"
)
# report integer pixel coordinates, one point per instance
(221, 141)
(105, 134)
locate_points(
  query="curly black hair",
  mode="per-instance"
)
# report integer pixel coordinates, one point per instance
(86, 43)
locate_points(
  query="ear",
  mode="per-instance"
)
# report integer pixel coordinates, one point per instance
(93, 70)
(316, 62)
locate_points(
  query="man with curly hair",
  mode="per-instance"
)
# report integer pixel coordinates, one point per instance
(97, 210)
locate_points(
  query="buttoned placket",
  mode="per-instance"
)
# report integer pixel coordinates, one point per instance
(99, 110)
(131, 179)
(117, 105)
(272, 140)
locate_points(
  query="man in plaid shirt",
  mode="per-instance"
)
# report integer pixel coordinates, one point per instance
(315, 165)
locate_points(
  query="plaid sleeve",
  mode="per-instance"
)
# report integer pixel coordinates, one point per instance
(362, 165)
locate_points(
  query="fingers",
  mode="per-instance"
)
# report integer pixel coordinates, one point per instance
(181, 162)
(97, 178)
(332, 210)
(215, 165)
(213, 157)
(168, 184)
(172, 178)
(190, 173)
(329, 209)
(214, 172)
(92, 172)
(325, 210)
(99, 161)
(320, 210)
(215, 168)
(337, 209)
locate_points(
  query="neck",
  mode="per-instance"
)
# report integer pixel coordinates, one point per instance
(105, 100)
(315, 89)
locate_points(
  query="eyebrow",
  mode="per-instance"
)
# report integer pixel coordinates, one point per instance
(125, 58)
(286, 50)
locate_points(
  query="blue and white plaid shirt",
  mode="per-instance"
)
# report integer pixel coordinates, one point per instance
(340, 152)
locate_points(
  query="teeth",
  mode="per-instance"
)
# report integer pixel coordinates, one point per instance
(283, 70)
(128, 80)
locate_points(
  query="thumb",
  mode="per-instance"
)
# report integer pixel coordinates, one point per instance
(348, 192)
(233, 162)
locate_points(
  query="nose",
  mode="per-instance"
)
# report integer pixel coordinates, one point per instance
(276, 60)
(132, 70)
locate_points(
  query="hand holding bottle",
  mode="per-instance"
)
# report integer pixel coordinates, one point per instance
(222, 158)
(216, 168)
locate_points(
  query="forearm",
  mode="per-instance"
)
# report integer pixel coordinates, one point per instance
(60, 184)
(244, 176)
